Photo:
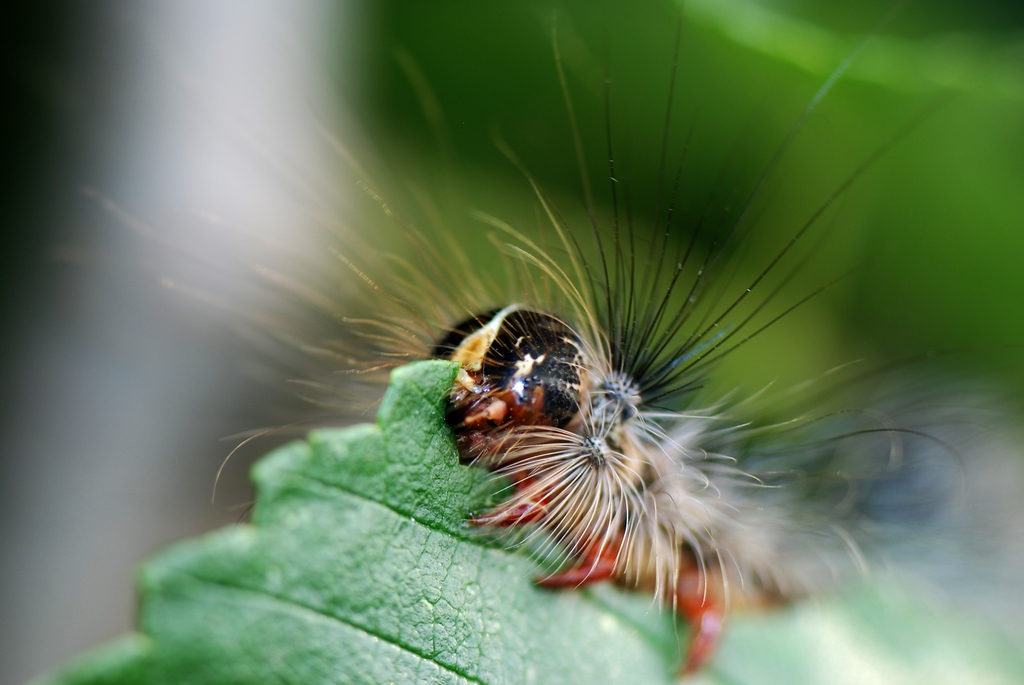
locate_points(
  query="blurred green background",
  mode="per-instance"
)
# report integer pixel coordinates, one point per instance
(935, 226)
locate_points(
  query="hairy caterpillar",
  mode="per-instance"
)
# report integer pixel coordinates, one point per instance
(580, 384)
(458, 291)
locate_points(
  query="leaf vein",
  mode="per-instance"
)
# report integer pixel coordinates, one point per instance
(346, 620)
(478, 541)
(330, 486)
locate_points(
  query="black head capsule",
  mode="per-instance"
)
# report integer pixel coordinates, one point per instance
(520, 367)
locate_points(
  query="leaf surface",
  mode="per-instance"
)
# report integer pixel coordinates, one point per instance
(358, 567)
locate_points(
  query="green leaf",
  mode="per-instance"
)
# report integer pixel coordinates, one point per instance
(359, 568)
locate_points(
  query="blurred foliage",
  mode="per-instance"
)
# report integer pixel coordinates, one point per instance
(931, 231)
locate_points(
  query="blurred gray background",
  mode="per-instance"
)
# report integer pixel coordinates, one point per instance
(118, 397)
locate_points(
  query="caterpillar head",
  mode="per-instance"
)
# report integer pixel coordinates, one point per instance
(519, 367)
